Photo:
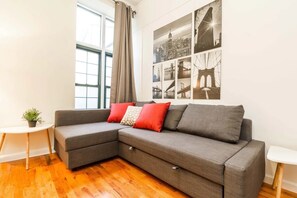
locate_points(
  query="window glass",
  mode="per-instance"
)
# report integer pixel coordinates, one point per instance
(88, 27)
(80, 103)
(109, 32)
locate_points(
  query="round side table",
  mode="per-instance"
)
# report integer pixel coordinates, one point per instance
(281, 156)
(27, 130)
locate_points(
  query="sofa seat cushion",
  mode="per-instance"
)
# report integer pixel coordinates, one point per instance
(202, 156)
(83, 135)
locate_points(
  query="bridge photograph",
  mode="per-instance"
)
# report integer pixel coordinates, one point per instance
(169, 70)
(184, 68)
(184, 88)
(169, 89)
(206, 79)
(157, 90)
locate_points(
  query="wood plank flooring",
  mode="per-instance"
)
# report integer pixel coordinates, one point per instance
(111, 178)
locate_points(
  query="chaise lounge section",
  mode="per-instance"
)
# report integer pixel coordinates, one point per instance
(196, 165)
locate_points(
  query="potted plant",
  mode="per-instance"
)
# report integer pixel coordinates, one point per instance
(32, 116)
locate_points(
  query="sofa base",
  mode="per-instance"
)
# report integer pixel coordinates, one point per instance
(87, 155)
(179, 178)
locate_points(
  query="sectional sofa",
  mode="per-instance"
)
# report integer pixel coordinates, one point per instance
(203, 150)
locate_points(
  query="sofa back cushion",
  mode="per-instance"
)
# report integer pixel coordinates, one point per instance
(216, 122)
(173, 116)
(246, 130)
(141, 103)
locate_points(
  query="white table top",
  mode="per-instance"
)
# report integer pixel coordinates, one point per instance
(282, 155)
(26, 129)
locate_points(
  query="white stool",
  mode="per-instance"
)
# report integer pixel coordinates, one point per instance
(281, 156)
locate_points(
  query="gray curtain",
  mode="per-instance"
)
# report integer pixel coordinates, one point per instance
(122, 79)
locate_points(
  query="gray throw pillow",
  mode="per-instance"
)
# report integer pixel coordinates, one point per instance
(141, 103)
(216, 122)
(173, 116)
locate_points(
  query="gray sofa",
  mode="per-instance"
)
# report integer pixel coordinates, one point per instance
(219, 166)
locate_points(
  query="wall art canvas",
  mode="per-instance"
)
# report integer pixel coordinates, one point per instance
(157, 81)
(169, 89)
(206, 79)
(184, 68)
(173, 40)
(169, 70)
(208, 27)
(184, 88)
(184, 78)
(157, 73)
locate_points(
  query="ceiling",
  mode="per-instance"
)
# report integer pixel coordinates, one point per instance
(133, 2)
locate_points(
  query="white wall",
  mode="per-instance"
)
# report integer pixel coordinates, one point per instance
(258, 64)
(37, 59)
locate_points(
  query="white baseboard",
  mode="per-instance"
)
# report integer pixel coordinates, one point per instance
(22, 155)
(290, 186)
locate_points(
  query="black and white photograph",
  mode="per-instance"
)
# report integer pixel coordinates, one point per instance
(184, 88)
(206, 79)
(169, 70)
(157, 73)
(173, 40)
(184, 68)
(169, 89)
(208, 27)
(157, 90)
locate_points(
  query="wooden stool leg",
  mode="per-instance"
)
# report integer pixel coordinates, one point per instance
(280, 179)
(49, 141)
(48, 157)
(2, 141)
(276, 176)
(28, 151)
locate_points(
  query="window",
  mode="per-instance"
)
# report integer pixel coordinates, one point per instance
(87, 84)
(94, 37)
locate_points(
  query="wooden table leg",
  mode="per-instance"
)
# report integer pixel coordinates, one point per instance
(28, 151)
(49, 141)
(276, 174)
(279, 181)
(2, 141)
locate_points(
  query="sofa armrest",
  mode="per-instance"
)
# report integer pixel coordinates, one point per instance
(72, 117)
(245, 171)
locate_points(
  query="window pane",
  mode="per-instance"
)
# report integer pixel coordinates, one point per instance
(80, 78)
(107, 102)
(108, 61)
(93, 92)
(92, 103)
(92, 80)
(108, 71)
(93, 69)
(107, 95)
(93, 58)
(80, 103)
(80, 91)
(109, 27)
(108, 81)
(81, 55)
(88, 26)
(81, 67)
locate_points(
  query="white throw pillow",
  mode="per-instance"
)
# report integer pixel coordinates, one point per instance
(131, 115)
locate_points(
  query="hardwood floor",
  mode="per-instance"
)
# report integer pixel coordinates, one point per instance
(112, 178)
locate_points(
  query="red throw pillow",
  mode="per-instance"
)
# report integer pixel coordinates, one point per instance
(118, 110)
(152, 116)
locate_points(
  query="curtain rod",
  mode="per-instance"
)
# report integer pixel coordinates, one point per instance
(133, 11)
